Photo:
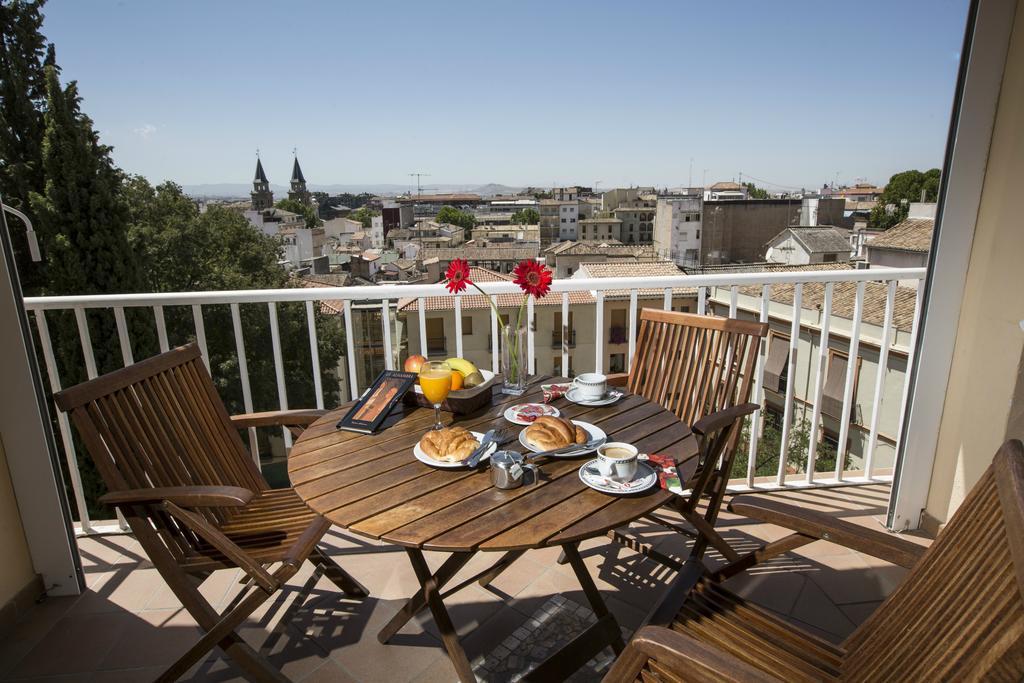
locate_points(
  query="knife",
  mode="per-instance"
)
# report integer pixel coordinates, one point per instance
(581, 447)
(474, 458)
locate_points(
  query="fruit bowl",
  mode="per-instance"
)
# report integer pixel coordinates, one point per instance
(459, 401)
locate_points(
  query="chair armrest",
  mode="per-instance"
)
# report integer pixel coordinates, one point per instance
(185, 496)
(618, 379)
(827, 527)
(215, 537)
(722, 419)
(684, 656)
(273, 418)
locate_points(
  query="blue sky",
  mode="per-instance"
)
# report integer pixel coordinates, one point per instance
(519, 93)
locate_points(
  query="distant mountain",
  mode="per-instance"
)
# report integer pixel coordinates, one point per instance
(242, 190)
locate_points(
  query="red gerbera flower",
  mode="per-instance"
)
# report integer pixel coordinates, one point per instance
(533, 278)
(457, 275)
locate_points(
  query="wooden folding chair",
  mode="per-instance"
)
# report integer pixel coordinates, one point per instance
(701, 368)
(175, 465)
(957, 616)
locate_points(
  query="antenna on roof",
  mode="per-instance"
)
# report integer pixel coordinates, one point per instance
(419, 188)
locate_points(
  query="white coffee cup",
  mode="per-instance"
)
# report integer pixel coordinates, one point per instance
(617, 461)
(591, 386)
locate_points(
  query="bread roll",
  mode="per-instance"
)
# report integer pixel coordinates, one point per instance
(549, 433)
(451, 444)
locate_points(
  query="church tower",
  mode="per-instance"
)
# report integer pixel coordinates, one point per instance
(262, 197)
(298, 189)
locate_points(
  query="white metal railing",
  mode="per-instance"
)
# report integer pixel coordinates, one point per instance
(707, 287)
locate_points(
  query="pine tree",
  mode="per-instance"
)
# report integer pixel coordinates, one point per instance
(24, 53)
(82, 223)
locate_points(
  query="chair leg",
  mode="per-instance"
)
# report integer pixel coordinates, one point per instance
(341, 578)
(220, 630)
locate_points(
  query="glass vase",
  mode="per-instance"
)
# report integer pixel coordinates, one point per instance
(514, 363)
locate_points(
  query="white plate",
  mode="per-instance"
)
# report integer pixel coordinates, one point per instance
(593, 432)
(427, 460)
(487, 375)
(611, 397)
(645, 478)
(511, 416)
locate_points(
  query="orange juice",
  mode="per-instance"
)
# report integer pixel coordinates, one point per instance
(436, 383)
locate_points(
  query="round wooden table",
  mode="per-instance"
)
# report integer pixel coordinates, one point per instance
(373, 486)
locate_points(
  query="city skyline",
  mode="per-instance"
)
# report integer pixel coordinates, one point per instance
(523, 94)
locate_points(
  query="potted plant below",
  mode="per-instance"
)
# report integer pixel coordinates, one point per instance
(535, 280)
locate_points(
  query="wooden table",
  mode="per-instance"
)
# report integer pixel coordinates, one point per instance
(372, 485)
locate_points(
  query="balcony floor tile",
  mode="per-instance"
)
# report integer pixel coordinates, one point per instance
(128, 625)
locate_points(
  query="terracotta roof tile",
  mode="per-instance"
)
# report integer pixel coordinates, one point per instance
(844, 295)
(636, 269)
(913, 234)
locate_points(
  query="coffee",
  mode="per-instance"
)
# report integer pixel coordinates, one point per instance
(617, 461)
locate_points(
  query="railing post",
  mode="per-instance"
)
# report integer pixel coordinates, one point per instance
(314, 355)
(851, 378)
(883, 361)
(757, 397)
(599, 335)
(64, 424)
(819, 383)
(243, 376)
(353, 379)
(787, 416)
(282, 388)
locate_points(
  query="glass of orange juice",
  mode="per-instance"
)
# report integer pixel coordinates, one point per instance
(436, 382)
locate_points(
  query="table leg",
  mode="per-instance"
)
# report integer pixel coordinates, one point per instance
(418, 601)
(583, 647)
(432, 594)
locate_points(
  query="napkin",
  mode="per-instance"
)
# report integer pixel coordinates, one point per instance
(665, 466)
(553, 391)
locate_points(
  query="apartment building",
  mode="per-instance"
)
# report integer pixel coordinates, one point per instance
(906, 244)
(737, 230)
(497, 258)
(677, 228)
(776, 357)
(599, 229)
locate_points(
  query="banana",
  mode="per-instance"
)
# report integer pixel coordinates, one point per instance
(461, 365)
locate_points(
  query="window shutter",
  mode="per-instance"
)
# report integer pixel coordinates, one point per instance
(775, 365)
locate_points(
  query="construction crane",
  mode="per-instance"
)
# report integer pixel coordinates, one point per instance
(419, 188)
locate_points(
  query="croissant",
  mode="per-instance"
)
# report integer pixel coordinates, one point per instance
(549, 433)
(451, 444)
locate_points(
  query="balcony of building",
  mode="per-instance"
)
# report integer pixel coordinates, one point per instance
(885, 393)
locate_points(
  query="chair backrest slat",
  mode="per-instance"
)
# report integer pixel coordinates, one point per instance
(158, 423)
(959, 614)
(694, 365)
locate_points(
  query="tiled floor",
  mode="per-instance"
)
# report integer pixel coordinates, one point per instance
(128, 626)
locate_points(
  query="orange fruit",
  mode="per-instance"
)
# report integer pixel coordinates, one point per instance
(457, 379)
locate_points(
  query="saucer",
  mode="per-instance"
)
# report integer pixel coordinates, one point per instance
(646, 477)
(610, 397)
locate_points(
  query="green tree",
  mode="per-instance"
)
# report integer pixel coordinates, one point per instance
(526, 217)
(81, 219)
(307, 211)
(82, 224)
(24, 53)
(902, 189)
(755, 192)
(769, 447)
(364, 215)
(449, 214)
(184, 250)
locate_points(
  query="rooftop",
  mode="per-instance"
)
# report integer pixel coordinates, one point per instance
(726, 185)
(637, 270)
(491, 253)
(818, 239)
(913, 234)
